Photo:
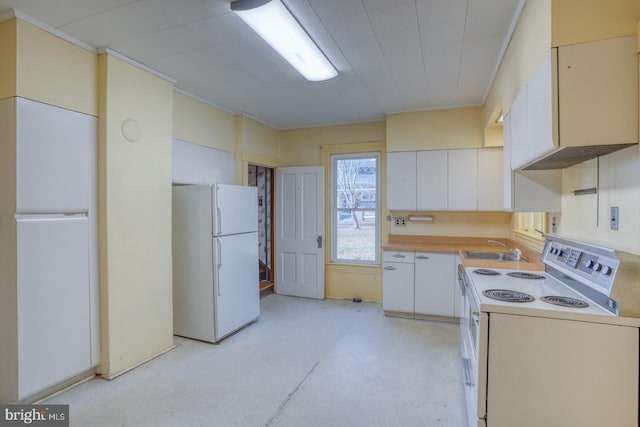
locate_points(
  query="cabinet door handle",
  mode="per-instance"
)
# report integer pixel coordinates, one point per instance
(422, 257)
(390, 267)
(398, 256)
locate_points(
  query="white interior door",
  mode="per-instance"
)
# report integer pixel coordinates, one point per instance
(299, 231)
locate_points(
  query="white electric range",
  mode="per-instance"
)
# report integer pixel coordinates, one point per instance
(529, 290)
(522, 351)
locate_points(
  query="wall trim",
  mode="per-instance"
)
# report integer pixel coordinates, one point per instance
(204, 101)
(120, 56)
(14, 13)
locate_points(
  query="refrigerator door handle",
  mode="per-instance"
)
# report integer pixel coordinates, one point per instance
(219, 220)
(219, 257)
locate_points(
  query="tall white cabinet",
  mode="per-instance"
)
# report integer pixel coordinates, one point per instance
(49, 297)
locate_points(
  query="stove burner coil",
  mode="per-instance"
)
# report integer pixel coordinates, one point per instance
(525, 275)
(508, 295)
(486, 272)
(565, 301)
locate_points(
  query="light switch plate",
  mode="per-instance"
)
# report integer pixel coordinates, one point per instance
(613, 224)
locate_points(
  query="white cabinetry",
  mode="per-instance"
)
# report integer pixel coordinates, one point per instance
(401, 181)
(397, 282)
(420, 283)
(528, 191)
(54, 319)
(49, 306)
(434, 284)
(581, 95)
(443, 180)
(463, 180)
(490, 170)
(432, 175)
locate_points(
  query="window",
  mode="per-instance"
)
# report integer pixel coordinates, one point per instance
(355, 225)
(530, 223)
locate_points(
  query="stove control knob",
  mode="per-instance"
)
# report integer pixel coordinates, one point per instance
(589, 263)
(597, 266)
(606, 270)
(554, 251)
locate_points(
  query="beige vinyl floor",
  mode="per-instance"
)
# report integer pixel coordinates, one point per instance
(303, 363)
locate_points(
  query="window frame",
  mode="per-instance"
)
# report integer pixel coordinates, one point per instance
(333, 162)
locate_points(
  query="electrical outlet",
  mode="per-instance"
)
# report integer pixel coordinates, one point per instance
(613, 224)
(400, 221)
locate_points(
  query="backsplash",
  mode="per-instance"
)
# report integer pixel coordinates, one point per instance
(467, 224)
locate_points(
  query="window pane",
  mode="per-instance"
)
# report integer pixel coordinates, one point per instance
(355, 200)
(356, 183)
(356, 235)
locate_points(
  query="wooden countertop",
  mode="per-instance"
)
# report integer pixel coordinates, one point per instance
(531, 260)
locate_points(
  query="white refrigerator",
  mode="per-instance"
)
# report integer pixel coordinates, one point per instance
(215, 260)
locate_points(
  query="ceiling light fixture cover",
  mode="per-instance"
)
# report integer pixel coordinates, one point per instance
(277, 26)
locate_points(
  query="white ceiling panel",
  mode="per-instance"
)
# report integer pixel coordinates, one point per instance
(376, 4)
(332, 8)
(393, 19)
(392, 55)
(164, 43)
(219, 29)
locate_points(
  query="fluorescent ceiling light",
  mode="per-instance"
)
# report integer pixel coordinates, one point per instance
(275, 24)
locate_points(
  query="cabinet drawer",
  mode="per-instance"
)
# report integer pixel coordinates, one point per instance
(398, 256)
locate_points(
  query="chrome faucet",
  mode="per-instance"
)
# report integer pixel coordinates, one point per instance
(498, 243)
(515, 252)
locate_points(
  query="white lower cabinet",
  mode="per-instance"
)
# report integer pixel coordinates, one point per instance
(434, 280)
(419, 283)
(397, 282)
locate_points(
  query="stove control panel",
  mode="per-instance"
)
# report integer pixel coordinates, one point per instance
(596, 266)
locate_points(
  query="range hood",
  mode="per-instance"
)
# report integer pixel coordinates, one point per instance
(569, 156)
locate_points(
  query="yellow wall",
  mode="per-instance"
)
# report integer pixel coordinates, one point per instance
(437, 129)
(587, 217)
(54, 71)
(578, 21)
(301, 147)
(134, 216)
(257, 144)
(8, 48)
(8, 253)
(200, 123)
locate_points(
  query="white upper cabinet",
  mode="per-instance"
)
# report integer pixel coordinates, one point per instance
(490, 180)
(463, 180)
(528, 191)
(445, 180)
(401, 181)
(518, 118)
(55, 157)
(584, 94)
(432, 180)
(541, 125)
